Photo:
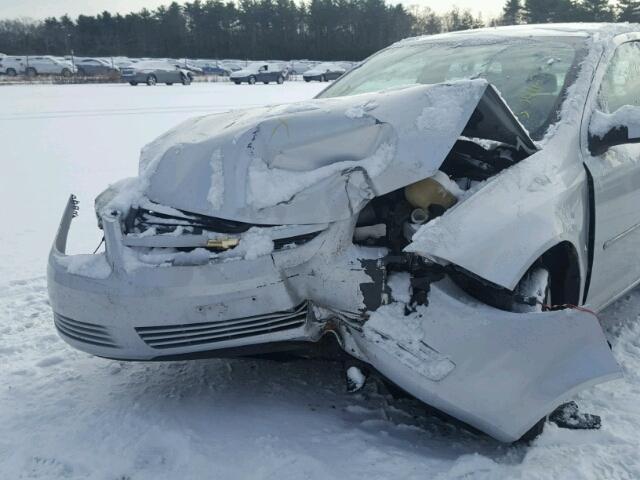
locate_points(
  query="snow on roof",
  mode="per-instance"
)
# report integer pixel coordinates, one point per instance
(548, 29)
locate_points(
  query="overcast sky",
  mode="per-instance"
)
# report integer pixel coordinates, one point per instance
(45, 8)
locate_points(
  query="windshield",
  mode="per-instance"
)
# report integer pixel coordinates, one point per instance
(532, 74)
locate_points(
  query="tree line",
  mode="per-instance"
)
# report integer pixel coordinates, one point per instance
(276, 29)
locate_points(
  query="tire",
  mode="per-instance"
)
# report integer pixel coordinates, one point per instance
(169, 83)
(12, 72)
(252, 80)
(132, 83)
(186, 80)
(266, 83)
(152, 80)
(31, 72)
(237, 82)
(280, 80)
(536, 284)
(323, 78)
(66, 73)
(307, 79)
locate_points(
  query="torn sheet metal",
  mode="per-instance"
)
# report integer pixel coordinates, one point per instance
(498, 371)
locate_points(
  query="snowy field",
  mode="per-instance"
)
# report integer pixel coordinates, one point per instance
(67, 415)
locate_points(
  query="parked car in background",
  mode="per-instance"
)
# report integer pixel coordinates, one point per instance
(324, 72)
(48, 65)
(91, 67)
(232, 65)
(190, 66)
(298, 67)
(12, 66)
(153, 72)
(213, 67)
(260, 72)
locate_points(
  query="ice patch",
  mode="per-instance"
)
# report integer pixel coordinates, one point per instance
(359, 111)
(197, 256)
(216, 191)
(255, 243)
(87, 265)
(444, 112)
(400, 285)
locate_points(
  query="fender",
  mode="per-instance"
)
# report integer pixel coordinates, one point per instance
(504, 227)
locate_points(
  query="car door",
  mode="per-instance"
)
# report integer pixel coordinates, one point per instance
(616, 187)
(48, 66)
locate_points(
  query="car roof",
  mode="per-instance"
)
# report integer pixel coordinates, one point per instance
(537, 30)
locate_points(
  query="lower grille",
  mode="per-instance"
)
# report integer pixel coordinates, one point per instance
(174, 336)
(84, 332)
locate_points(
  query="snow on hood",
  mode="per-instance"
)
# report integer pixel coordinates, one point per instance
(321, 160)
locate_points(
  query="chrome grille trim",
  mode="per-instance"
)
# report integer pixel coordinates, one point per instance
(174, 336)
(84, 332)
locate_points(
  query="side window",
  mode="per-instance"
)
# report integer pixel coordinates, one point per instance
(621, 83)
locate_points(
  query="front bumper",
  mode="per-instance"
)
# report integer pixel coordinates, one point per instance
(143, 312)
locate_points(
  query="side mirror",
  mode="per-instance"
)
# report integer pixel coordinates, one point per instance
(607, 130)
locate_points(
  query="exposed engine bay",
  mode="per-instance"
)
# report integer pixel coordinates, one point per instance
(391, 220)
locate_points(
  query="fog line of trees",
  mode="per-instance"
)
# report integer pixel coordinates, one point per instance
(270, 29)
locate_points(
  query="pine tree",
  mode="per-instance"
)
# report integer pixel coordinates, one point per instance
(597, 11)
(628, 11)
(512, 13)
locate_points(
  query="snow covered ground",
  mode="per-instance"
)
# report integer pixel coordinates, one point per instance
(65, 414)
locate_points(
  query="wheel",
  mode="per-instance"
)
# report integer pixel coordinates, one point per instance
(307, 79)
(323, 78)
(186, 80)
(133, 83)
(11, 72)
(169, 83)
(152, 80)
(31, 72)
(237, 82)
(280, 80)
(533, 293)
(66, 72)
(266, 83)
(252, 80)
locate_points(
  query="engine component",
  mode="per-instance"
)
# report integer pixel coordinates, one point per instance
(435, 190)
(419, 216)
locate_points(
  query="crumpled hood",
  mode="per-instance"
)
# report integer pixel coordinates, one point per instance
(321, 160)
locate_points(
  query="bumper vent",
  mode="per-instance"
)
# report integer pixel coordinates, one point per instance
(84, 332)
(175, 336)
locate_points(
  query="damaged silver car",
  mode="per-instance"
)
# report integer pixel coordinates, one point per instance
(453, 212)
